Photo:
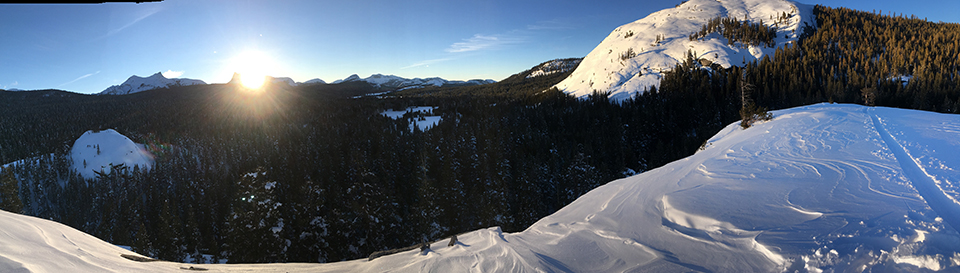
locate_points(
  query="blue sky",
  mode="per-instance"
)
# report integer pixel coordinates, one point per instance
(87, 48)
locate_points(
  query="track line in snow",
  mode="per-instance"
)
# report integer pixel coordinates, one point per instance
(921, 180)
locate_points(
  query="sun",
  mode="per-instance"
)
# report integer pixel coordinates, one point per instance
(253, 67)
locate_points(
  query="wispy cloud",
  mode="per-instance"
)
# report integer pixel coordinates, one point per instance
(555, 24)
(480, 42)
(79, 78)
(148, 13)
(171, 74)
(427, 63)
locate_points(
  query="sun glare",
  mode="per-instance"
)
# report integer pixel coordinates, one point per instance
(253, 67)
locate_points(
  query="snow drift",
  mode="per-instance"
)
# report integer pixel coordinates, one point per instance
(824, 187)
(99, 151)
(634, 56)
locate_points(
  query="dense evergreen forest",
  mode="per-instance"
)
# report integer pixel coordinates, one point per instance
(315, 173)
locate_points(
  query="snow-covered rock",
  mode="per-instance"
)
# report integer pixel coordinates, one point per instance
(98, 151)
(136, 84)
(397, 83)
(632, 58)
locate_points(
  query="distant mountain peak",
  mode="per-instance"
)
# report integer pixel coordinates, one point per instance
(136, 84)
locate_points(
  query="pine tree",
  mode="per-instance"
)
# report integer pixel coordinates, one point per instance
(750, 112)
(10, 191)
(255, 226)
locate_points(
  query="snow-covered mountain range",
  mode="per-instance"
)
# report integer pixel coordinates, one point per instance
(397, 83)
(825, 187)
(136, 84)
(632, 58)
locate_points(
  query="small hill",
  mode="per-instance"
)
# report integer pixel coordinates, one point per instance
(100, 151)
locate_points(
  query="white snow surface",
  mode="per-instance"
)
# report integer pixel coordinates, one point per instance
(136, 84)
(825, 187)
(604, 70)
(115, 149)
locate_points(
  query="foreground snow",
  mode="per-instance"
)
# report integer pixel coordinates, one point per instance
(824, 187)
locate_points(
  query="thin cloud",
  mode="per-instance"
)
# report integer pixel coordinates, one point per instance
(79, 78)
(555, 24)
(171, 74)
(427, 63)
(481, 42)
(135, 21)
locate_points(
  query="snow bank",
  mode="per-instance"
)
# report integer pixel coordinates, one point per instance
(97, 151)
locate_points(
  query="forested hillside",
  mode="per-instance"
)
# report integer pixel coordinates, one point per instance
(856, 57)
(315, 173)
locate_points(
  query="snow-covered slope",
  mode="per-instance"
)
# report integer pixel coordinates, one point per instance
(395, 82)
(136, 84)
(823, 187)
(98, 151)
(633, 56)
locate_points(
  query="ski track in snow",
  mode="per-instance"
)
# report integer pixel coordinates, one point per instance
(922, 181)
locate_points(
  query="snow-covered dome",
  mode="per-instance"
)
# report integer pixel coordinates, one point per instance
(97, 151)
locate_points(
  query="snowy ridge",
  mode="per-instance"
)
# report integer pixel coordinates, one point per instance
(825, 187)
(136, 84)
(554, 66)
(314, 81)
(397, 83)
(632, 58)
